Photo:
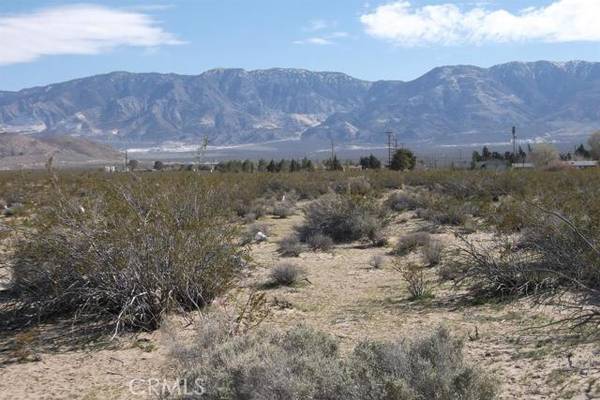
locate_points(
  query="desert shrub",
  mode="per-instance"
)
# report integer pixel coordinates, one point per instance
(496, 269)
(257, 208)
(451, 271)
(290, 246)
(129, 254)
(448, 213)
(417, 284)
(250, 218)
(343, 218)
(303, 363)
(432, 252)
(377, 261)
(283, 209)
(378, 238)
(400, 201)
(285, 274)
(319, 242)
(358, 185)
(410, 242)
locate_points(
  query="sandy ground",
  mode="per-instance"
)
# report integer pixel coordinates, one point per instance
(345, 296)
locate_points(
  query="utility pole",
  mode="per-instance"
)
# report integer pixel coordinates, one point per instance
(389, 135)
(514, 138)
(126, 160)
(332, 151)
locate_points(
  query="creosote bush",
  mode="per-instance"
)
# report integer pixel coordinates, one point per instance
(129, 253)
(344, 218)
(303, 363)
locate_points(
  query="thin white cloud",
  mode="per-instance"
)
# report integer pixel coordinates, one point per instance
(78, 29)
(447, 24)
(317, 25)
(319, 28)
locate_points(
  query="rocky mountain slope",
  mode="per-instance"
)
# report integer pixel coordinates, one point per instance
(25, 151)
(456, 104)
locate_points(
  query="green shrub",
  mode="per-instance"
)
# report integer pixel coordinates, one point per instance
(343, 218)
(129, 254)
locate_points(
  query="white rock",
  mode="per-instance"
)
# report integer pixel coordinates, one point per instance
(260, 237)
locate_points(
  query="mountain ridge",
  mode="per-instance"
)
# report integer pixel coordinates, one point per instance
(448, 104)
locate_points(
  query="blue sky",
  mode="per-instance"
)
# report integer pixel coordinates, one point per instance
(43, 42)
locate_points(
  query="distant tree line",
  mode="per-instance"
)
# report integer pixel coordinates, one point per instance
(262, 165)
(402, 159)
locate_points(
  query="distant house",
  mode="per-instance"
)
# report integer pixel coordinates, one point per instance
(576, 164)
(522, 165)
(583, 164)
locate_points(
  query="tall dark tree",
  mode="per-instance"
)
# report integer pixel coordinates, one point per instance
(133, 165)
(262, 165)
(248, 166)
(370, 162)
(307, 164)
(334, 164)
(582, 152)
(486, 155)
(402, 160)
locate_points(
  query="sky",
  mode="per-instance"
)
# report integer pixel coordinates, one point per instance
(43, 42)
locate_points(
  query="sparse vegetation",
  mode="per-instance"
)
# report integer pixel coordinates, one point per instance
(432, 252)
(290, 246)
(401, 201)
(320, 242)
(257, 365)
(157, 237)
(344, 218)
(285, 274)
(129, 254)
(417, 284)
(283, 209)
(411, 242)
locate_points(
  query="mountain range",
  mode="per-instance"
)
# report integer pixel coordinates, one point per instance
(448, 105)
